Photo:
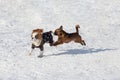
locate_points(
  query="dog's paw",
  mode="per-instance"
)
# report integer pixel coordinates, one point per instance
(51, 44)
(40, 56)
(29, 54)
(54, 45)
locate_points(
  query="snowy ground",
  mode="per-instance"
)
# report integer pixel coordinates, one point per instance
(100, 27)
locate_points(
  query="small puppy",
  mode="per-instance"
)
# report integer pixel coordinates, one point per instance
(39, 39)
(64, 37)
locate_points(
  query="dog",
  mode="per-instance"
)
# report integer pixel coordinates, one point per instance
(39, 39)
(64, 37)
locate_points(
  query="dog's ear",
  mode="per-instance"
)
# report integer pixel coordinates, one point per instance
(50, 31)
(61, 27)
(37, 30)
(41, 30)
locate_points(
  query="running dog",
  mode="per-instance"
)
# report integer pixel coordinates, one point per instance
(39, 39)
(64, 37)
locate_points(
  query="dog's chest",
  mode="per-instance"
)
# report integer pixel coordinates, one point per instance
(36, 42)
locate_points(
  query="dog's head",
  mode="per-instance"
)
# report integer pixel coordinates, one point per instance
(37, 34)
(59, 31)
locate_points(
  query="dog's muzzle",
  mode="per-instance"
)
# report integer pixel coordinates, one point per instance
(34, 39)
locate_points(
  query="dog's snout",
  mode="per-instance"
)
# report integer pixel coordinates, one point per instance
(33, 38)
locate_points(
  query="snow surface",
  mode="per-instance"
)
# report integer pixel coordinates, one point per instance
(100, 28)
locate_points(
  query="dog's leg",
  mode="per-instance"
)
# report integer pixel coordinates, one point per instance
(57, 43)
(81, 42)
(51, 43)
(32, 47)
(41, 51)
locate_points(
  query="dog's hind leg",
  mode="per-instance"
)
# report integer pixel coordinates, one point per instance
(41, 51)
(81, 42)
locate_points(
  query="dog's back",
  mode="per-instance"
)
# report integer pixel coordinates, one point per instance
(48, 38)
(75, 34)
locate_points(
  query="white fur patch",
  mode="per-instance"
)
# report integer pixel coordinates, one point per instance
(34, 34)
(35, 41)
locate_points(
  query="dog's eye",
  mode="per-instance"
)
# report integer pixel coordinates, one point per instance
(60, 33)
(36, 36)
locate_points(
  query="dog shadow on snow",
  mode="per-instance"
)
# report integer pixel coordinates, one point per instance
(80, 51)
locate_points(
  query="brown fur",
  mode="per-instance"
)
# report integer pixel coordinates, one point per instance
(39, 33)
(37, 30)
(64, 37)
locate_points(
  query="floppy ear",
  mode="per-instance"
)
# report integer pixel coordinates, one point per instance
(50, 31)
(41, 30)
(61, 27)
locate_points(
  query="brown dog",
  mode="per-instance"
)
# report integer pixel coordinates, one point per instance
(64, 37)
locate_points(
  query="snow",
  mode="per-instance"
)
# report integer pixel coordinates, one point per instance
(99, 27)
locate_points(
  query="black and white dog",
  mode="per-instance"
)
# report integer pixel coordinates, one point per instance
(39, 39)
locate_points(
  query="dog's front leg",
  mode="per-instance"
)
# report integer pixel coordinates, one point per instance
(41, 51)
(32, 47)
(57, 43)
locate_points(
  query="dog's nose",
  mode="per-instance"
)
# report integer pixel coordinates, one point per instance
(33, 38)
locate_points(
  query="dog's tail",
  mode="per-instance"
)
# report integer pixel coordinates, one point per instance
(77, 26)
